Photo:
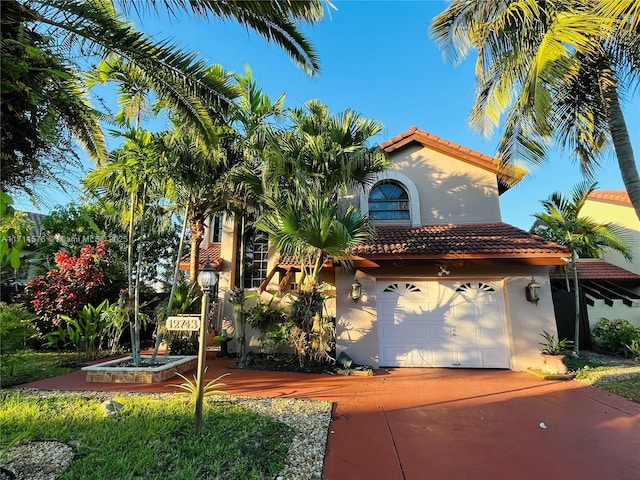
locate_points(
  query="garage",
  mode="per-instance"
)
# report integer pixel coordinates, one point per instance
(456, 324)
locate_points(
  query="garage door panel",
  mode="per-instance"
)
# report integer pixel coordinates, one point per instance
(394, 334)
(400, 357)
(495, 357)
(443, 324)
(468, 358)
(437, 334)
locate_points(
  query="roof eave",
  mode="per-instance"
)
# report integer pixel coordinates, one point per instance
(506, 179)
(540, 259)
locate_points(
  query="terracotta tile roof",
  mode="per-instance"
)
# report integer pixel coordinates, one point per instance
(210, 254)
(614, 196)
(509, 175)
(480, 241)
(599, 270)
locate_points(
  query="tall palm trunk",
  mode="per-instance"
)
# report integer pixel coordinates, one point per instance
(197, 218)
(130, 246)
(239, 316)
(620, 135)
(576, 295)
(135, 341)
(174, 283)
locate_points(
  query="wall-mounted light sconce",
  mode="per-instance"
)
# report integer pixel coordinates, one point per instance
(532, 291)
(444, 272)
(356, 290)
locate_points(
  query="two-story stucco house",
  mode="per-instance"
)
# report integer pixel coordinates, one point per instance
(442, 284)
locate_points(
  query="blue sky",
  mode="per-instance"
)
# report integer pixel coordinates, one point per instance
(377, 58)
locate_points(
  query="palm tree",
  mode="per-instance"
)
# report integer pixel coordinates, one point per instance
(558, 70)
(312, 235)
(44, 107)
(307, 168)
(197, 183)
(581, 235)
(95, 28)
(324, 152)
(133, 172)
(320, 231)
(251, 117)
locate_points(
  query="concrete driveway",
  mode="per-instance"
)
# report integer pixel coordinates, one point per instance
(481, 424)
(447, 424)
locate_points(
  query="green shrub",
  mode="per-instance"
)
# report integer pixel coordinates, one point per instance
(633, 349)
(15, 327)
(15, 331)
(86, 331)
(613, 335)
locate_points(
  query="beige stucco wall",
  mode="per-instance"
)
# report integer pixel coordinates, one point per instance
(450, 190)
(356, 329)
(525, 320)
(625, 216)
(618, 310)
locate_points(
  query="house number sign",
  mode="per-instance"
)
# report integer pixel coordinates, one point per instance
(184, 322)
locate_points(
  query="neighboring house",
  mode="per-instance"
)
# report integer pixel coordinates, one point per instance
(443, 281)
(615, 206)
(611, 285)
(609, 292)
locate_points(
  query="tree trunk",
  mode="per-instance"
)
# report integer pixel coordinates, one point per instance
(135, 341)
(197, 219)
(130, 246)
(576, 294)
(176, 272)
(242, 325)
(620, 136)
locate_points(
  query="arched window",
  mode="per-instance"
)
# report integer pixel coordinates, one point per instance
(389, 200)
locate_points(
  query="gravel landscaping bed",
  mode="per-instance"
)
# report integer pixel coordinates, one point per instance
(611, 368)
(305, 459)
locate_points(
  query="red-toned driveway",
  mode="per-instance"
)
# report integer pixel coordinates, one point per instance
(446, 424)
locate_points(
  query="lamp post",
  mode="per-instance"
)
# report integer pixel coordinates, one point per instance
(207, 279)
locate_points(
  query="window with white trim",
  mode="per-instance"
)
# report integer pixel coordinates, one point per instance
(389, 200)
(257, 253)
(216, 229)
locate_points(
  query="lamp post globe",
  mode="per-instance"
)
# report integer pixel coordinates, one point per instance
(207, 278)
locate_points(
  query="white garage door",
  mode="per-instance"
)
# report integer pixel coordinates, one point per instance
(442, 324)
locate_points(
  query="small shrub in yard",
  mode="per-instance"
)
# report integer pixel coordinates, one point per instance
(633, 349)
(77, 281)
(613, 335)
(15, 330)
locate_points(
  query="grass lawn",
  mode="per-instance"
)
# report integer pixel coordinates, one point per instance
(151, 437)
(613, 374)
(30, 366)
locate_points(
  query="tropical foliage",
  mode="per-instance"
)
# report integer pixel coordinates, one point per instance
(16, 328)
(310, 164)
(75, 282)
(562, 223)
(86, 330)
(558, 71)
(15, 230)
(44, 107)
(44, 102)
(307, 167)
(616, 336)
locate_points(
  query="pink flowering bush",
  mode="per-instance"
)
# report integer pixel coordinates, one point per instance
(76, 282)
